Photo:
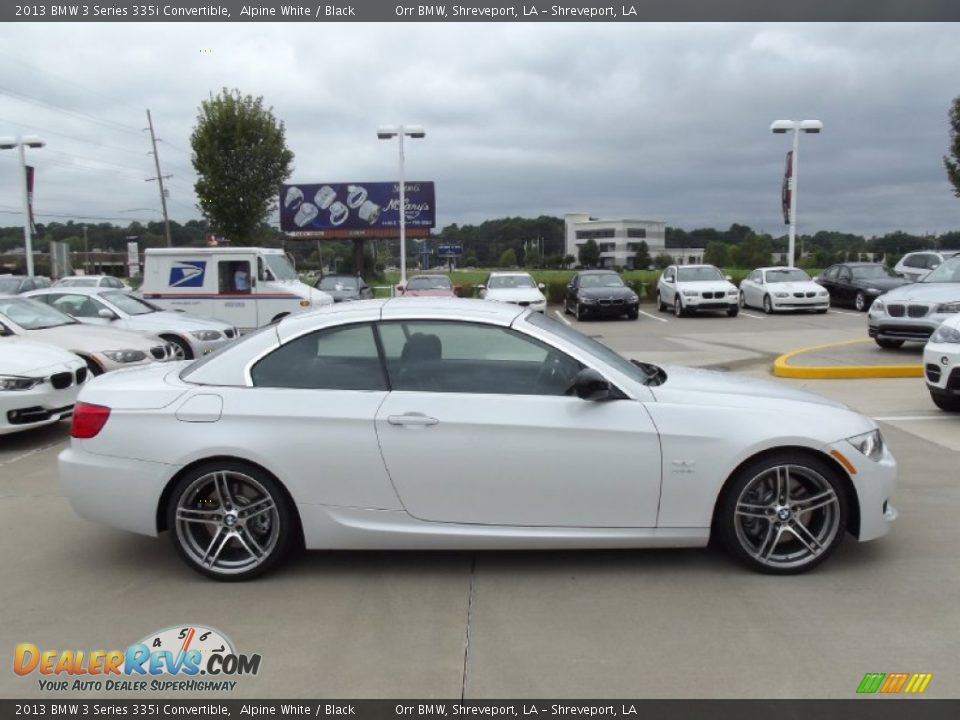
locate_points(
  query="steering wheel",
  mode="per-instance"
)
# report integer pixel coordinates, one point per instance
(557, 372)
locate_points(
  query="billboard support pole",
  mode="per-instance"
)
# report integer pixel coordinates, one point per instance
(403, 218)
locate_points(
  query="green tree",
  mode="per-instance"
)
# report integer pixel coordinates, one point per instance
(531, 258)
(241, 157)
(663, 260)
(508, 258)
(641, 260)
(717, 253)
(568, 260)
(952, 160)
(753, 252)
(589, 253)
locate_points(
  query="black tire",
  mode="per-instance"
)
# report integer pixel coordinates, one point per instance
(733, 311)
(633, 315)
(742, 299)
(661, 306)
(946, 402)
(182, 347)
(678, 306)
(888, 344)
(767, 305)
(566, 307)
(750, 515)
(581, 313)
(860, 302)
(206, 514)
(822, 311)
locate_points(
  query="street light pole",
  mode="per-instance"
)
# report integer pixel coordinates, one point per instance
(386, 133)
(797, 126)
(20, 143)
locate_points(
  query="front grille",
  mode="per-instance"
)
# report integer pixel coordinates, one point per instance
(160, 352)
(895, 310)
(523, 303)
(611, 301)
(61, 380)
(28, 415)
(81, 375)
(811, 294)
(230, 333)
(933, 372)
(917, 311)
(798, 295)
(906, 331)
(709, 295)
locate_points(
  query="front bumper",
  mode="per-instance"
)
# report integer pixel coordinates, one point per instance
(611, 307)
(698, 302)
(43, 404)
(804, 303)
(118, 492)
(909, 328)
(874, 483)
(941, 368)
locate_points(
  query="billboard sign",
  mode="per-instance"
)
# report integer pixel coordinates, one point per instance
(449, 250)
(786, 191)
(355, 208)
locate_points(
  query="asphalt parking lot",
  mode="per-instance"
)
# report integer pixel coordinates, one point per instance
(659, 624)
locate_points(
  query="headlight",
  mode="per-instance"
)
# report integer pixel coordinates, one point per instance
(950, 307)
(588, 300)
(874, 291)
(869, 444)
(632, 298)
(945, 334)
(690, 293)
(14, 382)
(781, 294)
(878, 305)
(823, 293)
(206, 334)
(732, 292)
(126, 356)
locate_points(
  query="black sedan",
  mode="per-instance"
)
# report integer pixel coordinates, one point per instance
(343, 287)
(600, 293)
(858, 284)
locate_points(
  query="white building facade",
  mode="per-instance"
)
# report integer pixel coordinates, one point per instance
(618, 240)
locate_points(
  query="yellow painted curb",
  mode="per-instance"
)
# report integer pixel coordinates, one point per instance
(782, 367)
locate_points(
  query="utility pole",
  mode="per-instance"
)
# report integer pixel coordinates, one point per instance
(159, 178)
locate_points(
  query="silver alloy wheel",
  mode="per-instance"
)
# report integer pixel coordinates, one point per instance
(787, 516)
(227, 522)
(767, 304)
(860, 302)
(677, 306)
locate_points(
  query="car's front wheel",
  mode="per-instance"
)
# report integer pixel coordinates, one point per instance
(733, 310)
(889, 344)
(581, 312)
(678, 306)
(783, 514)
(861, 302)
(946, 402)
(767, 304)
(661, 305)
(229, 520)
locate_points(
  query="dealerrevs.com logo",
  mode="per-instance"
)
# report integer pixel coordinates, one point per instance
(894, 683)
(179, 658)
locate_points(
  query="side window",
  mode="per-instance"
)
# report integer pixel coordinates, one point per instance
(755, 276)
(233, 276)
(343, 358)
(844, 274)
(916, 261)
(669, 274)
(460, 357)
(831, 273)
(114, 283)
(76, 305)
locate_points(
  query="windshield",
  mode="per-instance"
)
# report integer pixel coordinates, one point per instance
(948, 272)
(511, 281)
(280, 266)
(590, 346)
(872, 272)
(129, 304)
(33, 315)
(334, 282)
(699, 274)
(601, 280)
(786, 275)
(9, 284)
(438, 282)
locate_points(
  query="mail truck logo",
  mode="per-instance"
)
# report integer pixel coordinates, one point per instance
(893, 683)
(188, 273)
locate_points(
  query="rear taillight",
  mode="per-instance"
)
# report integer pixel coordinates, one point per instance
(88, 420)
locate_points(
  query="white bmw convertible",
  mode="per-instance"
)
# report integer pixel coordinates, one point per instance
(426, 423)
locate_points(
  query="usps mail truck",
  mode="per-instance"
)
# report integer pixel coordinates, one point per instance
(245, 286)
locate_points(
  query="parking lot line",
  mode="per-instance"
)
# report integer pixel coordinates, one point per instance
(562, 318)
(750, 315)
(845, 312)
(652, 317)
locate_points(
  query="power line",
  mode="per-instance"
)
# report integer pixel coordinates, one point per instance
(23, 97)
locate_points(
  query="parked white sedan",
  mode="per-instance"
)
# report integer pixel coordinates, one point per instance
(190, 336)
(514, 287)
(38, 384)
(462, 424)
(783, 288)
(941, 365)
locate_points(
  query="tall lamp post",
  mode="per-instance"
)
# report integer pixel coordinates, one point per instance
(24, 141)
(797, 126)
(401, 131)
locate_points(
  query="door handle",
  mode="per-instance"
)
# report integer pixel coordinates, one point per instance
(414, 419)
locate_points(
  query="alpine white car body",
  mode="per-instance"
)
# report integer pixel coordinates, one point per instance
(38, 384)
(689, 288)
(518, 288)
(190, 336)
(464, 424)
(941, 365)
(782, 288)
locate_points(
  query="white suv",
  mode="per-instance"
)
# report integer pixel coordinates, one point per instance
(941, 365)
(913, 266)
(688, 288)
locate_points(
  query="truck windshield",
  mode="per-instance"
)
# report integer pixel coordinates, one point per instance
(280, 267)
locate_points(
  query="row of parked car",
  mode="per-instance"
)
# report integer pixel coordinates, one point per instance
(54, 339)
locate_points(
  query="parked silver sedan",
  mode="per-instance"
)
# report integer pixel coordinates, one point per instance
(912, 313)
(191, 336)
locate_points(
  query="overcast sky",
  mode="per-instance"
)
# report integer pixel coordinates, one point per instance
(665, 122)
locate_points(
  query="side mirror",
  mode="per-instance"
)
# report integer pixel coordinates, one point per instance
(591, 385)
(541, 286)
(481, 287)
(106, 314)
(668, 280)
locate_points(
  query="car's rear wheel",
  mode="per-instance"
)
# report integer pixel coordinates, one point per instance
(742, 300)
(889, 344)
(946, 402)
(229, 520)
(661, 305)
(783, 514)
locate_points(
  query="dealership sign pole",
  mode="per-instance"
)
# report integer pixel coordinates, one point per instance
(793, 168)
